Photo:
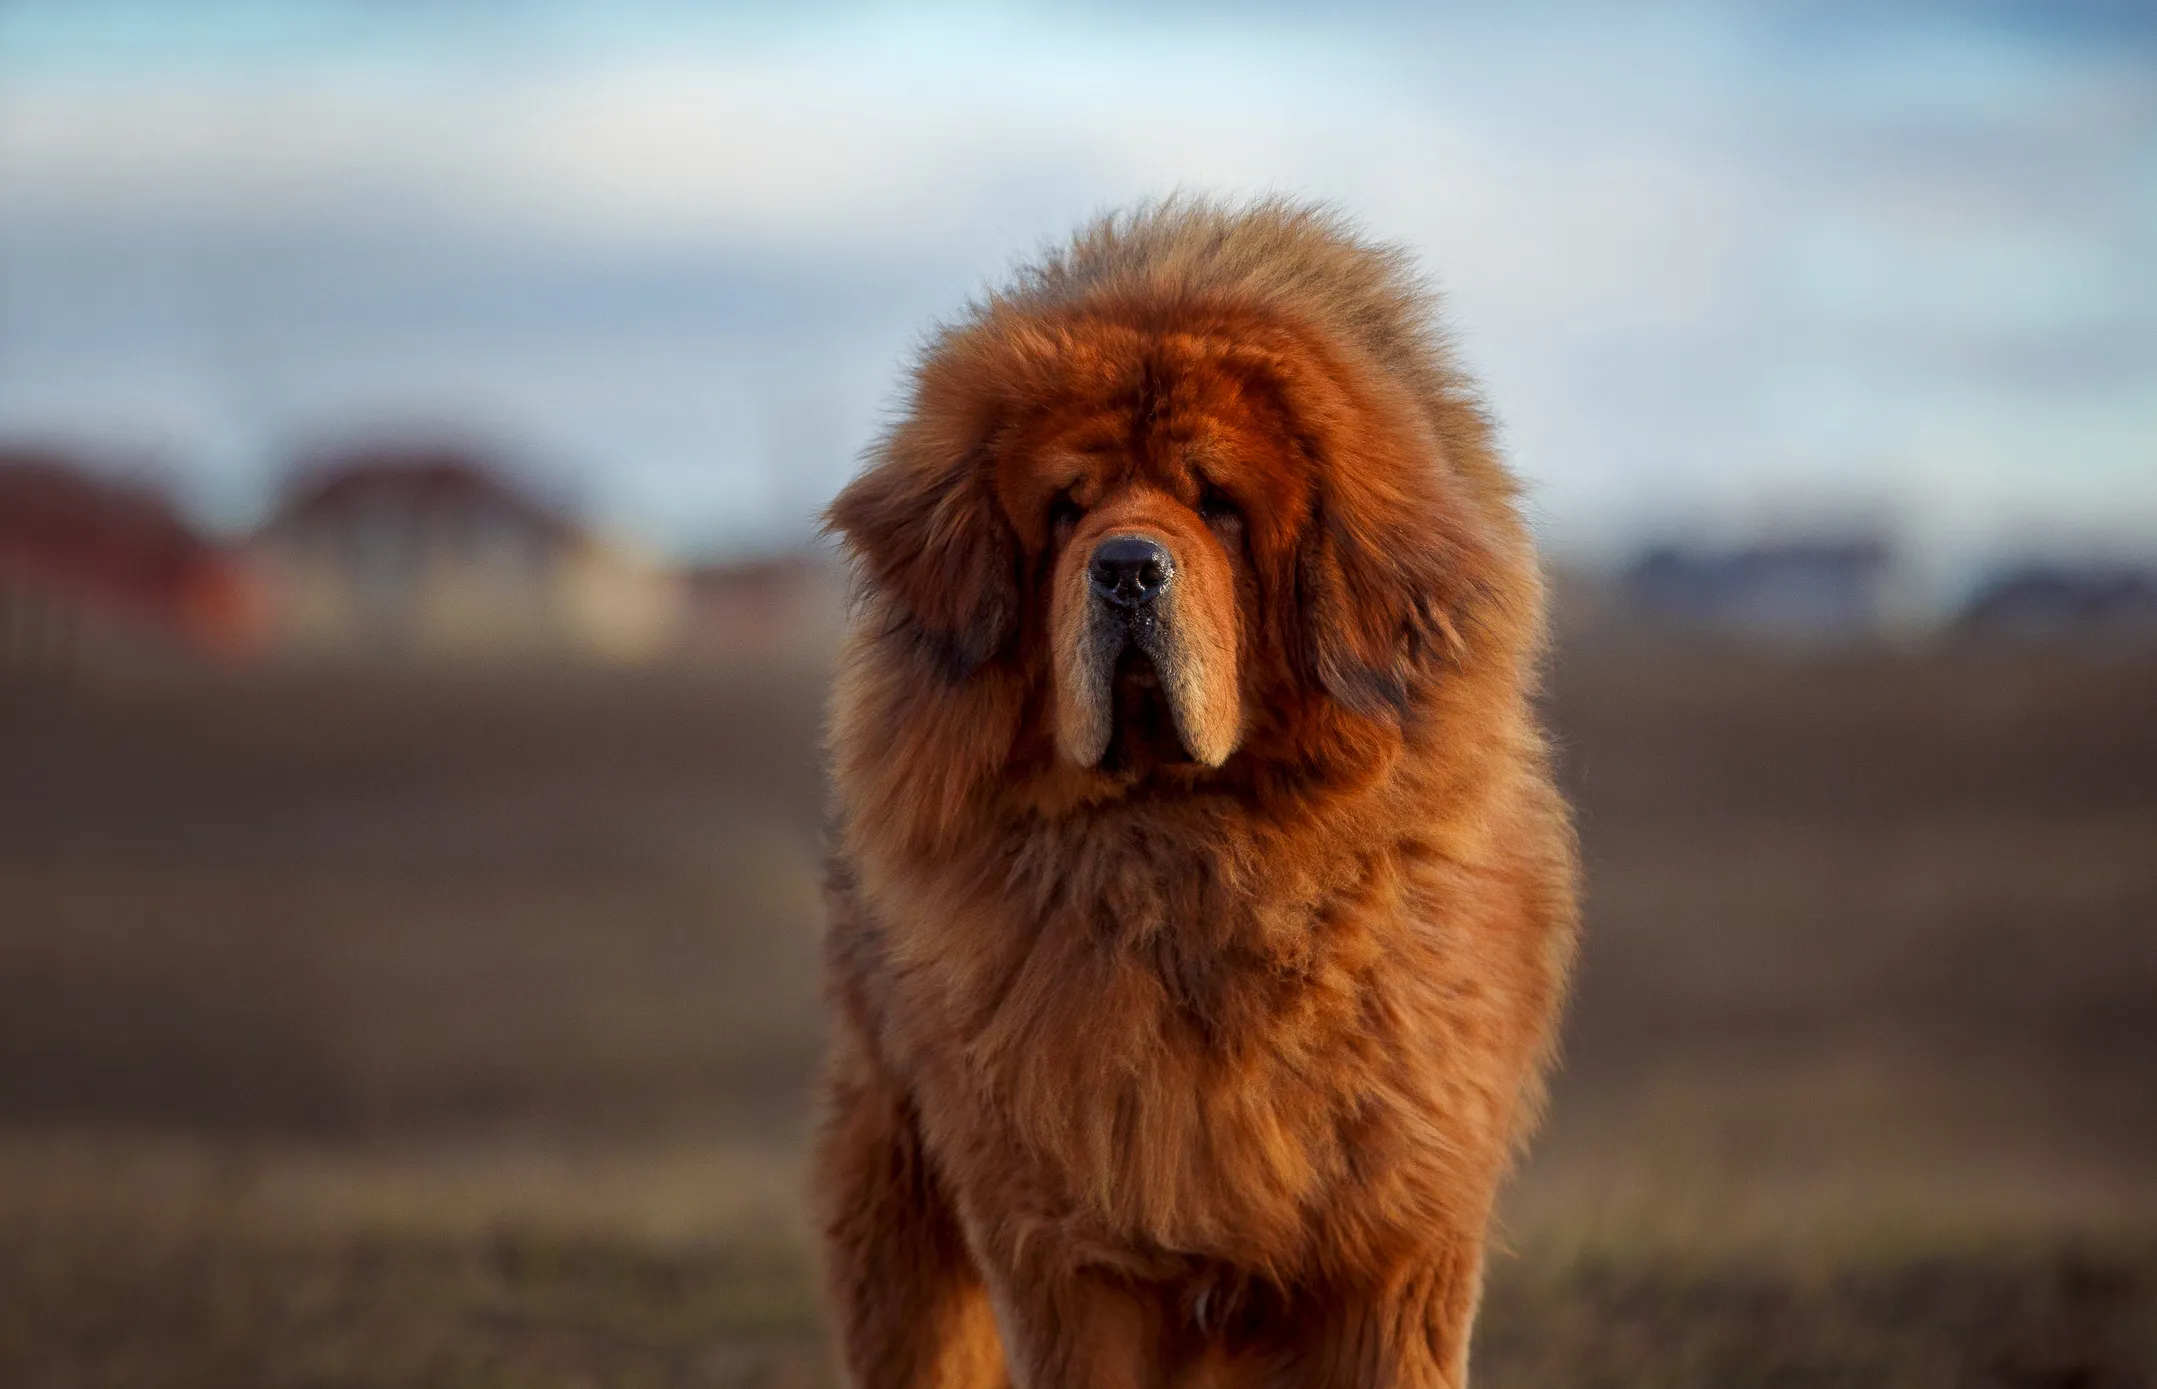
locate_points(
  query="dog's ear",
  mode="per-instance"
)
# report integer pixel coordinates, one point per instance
(924, 525)
(1381, 609)
(1392, 559)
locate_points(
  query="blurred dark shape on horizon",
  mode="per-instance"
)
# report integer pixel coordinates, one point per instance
(2101, 604)
(93, 570)
(1802, 590)
(459, 485)
(432, 552)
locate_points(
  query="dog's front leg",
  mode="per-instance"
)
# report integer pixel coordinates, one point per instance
(911, 1311)
(1079, 1330)
(1408, 1332)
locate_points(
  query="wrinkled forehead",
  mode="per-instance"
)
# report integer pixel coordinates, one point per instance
(1173, 412)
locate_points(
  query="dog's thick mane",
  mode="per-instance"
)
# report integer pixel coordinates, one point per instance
(1295, 261)
(1300, 260)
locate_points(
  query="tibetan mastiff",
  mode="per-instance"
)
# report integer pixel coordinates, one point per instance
(1201, 898)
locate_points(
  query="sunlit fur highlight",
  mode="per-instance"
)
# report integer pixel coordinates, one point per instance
(1084, 664)
(1147, 1069)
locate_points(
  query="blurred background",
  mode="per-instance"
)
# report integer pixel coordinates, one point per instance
(413, 631)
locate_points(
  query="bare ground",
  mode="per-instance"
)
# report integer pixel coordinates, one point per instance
(393, 1031)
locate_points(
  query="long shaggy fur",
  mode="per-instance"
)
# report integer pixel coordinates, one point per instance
(1188, 1048)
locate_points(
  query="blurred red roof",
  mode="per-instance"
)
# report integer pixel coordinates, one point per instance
(116, 550)
(415, 481)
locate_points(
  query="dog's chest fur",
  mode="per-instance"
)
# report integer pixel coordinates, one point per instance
(1166, 1071)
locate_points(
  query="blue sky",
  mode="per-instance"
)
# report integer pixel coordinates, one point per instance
(1723, 268)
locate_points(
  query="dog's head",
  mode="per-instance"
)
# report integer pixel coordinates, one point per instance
(1198, 535)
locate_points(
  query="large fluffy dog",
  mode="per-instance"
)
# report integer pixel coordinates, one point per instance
(1201, 900)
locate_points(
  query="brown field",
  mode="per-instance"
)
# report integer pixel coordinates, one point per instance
(455, 1030)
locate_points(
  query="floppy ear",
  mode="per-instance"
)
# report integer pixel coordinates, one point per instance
(1381, 610)
(925, 527)
(1392, 558)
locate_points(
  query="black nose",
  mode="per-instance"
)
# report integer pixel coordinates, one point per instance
(1130, 570)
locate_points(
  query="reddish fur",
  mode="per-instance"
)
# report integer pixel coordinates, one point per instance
(1188, 1072)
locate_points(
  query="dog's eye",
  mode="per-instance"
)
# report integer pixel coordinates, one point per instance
(1064, 513)
(1215, 508)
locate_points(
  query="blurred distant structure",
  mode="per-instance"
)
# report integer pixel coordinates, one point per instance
(2100, 603)
(93, 571)
(787, 605)
(1812, 590)
(433, 554)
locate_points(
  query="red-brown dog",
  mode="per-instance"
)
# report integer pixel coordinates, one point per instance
(1201, 900)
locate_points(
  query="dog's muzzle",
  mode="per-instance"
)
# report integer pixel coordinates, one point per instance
(1129, 656)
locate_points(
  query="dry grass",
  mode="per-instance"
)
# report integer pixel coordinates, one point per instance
(158, 1261)
(374, 1032)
